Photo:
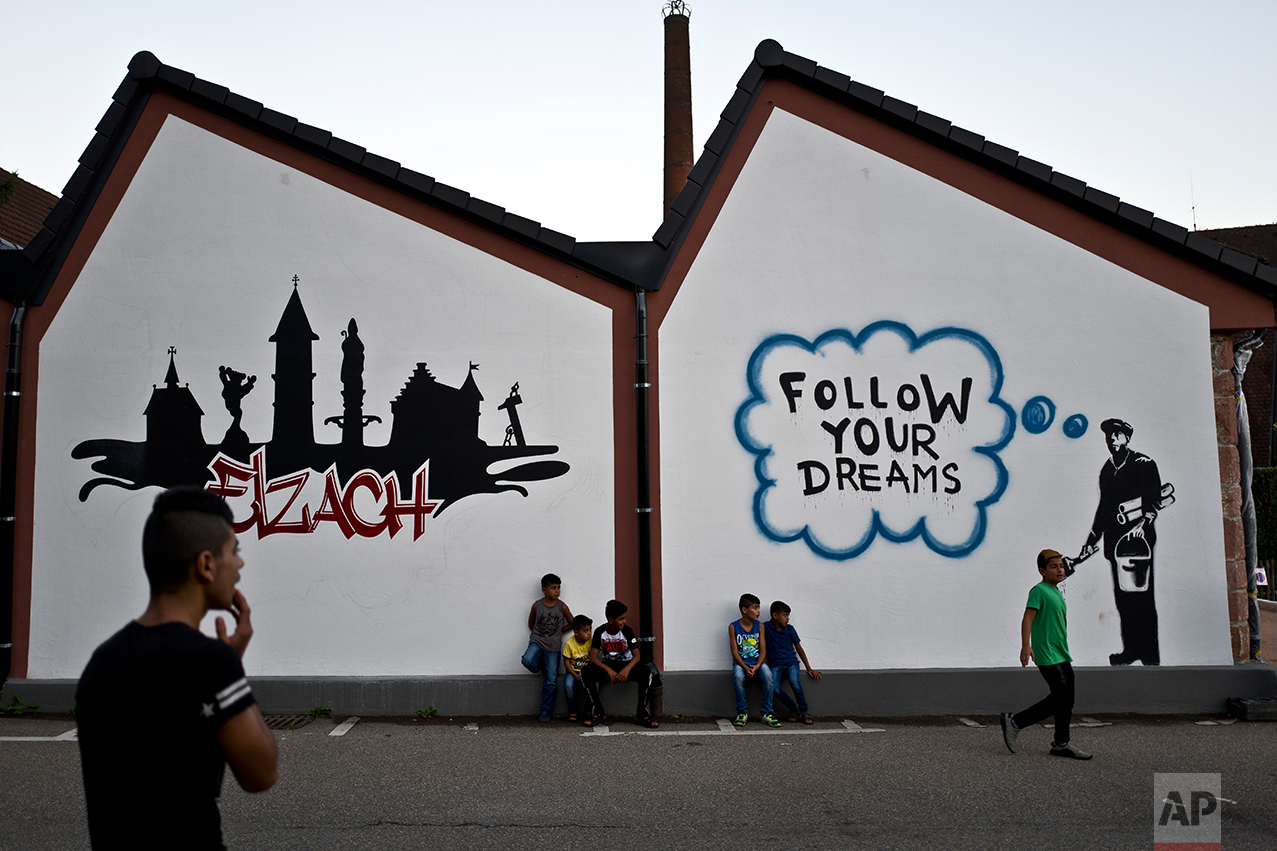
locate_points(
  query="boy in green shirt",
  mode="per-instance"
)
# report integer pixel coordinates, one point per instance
(1044, 639)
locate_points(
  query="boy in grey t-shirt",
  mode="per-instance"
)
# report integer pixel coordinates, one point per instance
(548, 620)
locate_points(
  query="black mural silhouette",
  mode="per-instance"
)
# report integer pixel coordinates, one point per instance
(1131, 495)
(430, 421)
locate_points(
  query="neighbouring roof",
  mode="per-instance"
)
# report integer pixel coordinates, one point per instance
(633, 265)
(1259, 241)
(24, 214)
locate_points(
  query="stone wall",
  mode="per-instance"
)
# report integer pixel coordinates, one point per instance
(1221, 349)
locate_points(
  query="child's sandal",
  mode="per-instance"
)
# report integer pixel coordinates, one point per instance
(572, 716)
(588, 722)
(807, 719)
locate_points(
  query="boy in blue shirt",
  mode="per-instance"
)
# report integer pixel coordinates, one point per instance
(783, 652)
(749, 657)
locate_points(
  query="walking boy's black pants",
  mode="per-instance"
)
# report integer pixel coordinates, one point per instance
(644, 675)
(1058, 703)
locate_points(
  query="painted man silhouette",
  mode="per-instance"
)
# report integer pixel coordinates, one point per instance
(1131, 494)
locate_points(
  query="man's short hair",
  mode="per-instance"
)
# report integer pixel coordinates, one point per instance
(184, 522)
(615, 608)
(780, 608)
(580, 621)
(550, 579)
(749, 600)
(1045, 556)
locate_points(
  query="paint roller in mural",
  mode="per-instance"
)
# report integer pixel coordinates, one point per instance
(882, 433)
(1131, 495)
(433, 457)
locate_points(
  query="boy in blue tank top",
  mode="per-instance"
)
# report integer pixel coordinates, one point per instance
(749, 659)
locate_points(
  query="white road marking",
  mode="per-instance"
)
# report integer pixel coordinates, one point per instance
(71, 735)
(729, 730)
(472, 727)
(344, 727)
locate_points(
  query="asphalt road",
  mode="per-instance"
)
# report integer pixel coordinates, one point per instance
(933, 783)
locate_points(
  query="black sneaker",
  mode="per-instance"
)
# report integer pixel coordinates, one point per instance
(1069, 750)
(1010, 732)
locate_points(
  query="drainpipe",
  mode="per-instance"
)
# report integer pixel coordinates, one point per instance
(8, 486)
(1241, 357)
(642, 388)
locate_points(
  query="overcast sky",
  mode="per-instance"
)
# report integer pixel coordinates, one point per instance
(553, 110)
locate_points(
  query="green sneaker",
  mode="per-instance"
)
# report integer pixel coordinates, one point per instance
(739, 720)
(771, 720)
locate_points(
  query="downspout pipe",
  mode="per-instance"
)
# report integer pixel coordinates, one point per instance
(642, 390)
(8, 486)
(1242, 352)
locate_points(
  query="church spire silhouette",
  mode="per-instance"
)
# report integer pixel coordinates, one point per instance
(293, 437)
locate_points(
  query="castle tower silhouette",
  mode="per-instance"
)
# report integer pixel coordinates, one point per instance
(175, 449)
(292, 444)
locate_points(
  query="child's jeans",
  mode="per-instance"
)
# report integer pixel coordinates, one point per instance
(537, 658)
(791, 673)
(573, 691)
(738, 683)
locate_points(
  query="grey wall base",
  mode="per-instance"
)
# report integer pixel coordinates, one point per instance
(937, 691)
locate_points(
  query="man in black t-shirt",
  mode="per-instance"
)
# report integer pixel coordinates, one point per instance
(161, 707)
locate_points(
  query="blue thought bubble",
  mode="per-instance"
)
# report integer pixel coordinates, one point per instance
(881, 433)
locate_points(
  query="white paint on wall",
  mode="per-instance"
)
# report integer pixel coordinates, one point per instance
(820, 234)
(200, 255)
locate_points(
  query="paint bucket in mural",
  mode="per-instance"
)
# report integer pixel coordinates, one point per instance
(1133, 558)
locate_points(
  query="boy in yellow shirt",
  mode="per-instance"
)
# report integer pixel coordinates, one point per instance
(576, 655)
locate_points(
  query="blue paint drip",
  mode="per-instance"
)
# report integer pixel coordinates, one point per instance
(1037, 415)
(877, 527)
(1075, 426)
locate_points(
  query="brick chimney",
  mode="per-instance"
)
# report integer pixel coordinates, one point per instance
(678, 101)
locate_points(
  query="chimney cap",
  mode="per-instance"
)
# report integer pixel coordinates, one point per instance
(676, 7)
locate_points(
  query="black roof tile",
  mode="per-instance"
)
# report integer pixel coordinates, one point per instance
(1001, 153)
(312, 135)
(1169, 230)
(1140, 216)
(1267, 274)
(78, 181)
(58, 215)
(346, 150)
(94, 152)
(736, 107)
(895, 106)
(485, 210)
(111, 119)
(176, 76)
(664, 235)
(868, 94)
(967, 139)
(769, 53)
(799, 64)
(144, 65)
(212, 91)
(686, 196)
(1238, 260)
(381, 165)
(241, 104)
(555, 240)
(1101, 199)
(521, 226)
(1033, 168)
(1071, 185)
(701, 171)
(278, 120)
(416, 180)
(449, 194)
(934, 123)
(717, 140)
(751, 78)
(125, 91)
(832, 78)
(1203, 245)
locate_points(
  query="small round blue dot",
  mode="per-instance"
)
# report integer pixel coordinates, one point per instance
(1075, 426)
(1037, 415)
